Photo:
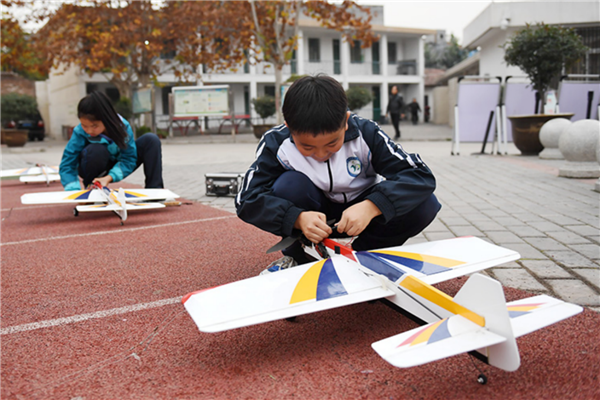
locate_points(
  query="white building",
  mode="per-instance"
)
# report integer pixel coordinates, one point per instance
(397, 59)
(496, 24)
(500, 20)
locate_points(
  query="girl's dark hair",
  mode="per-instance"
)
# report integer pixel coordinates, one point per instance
(315, 104)
(96, 106)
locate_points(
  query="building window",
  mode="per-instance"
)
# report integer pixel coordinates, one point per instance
(337, 63)
(270, 90)
(165, 91)
(314, 50)
(356, 53)
(392, 54)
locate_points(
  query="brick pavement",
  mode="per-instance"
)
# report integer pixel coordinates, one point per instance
(514, 201)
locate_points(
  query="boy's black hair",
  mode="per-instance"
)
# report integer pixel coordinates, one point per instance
(316, 105)
(96, 106)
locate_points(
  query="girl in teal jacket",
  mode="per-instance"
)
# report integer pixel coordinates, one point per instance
(102, 148)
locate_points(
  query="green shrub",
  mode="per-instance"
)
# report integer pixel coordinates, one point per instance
(17, 106)
(358, 97)
(264, 106)
(140, 130)
(124, 108)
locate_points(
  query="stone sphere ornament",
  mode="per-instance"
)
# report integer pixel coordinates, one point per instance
(578, 146)
(549, 135)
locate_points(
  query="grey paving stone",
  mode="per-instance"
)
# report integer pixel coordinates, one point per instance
(574, 291)
(545, 226)
(518, 278)
(525, 250)
(568, 237)
(439, 235)
(545, 244)
(488, 225)
(453, 221)
(437, 226)
(570, 259)
(561, 219)
(546, 269)
(591, 274)
(525, 231)
(466, 231)
(591, 251)
(509, 221)
(585, 230)
(503, 237)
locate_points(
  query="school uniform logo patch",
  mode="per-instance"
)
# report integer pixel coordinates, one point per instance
(353, 166)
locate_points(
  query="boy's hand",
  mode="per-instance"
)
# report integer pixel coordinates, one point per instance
(356, 218)
(313, 225)
(105, 180)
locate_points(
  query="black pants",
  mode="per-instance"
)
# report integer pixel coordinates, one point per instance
(415, 118)
(299, 189)
(95, 162)
(396, 123)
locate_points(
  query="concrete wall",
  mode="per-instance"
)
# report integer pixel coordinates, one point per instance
(64, 92)
(441, 106)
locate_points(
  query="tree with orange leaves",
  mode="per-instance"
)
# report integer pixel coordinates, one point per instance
(126, 41)
(274, 25)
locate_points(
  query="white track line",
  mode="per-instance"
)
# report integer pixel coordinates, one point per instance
(116, 231)
(85, 317)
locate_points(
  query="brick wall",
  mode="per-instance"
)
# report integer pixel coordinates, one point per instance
(13, 83)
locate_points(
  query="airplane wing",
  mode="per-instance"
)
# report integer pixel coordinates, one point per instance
(434, 262)
(95, 196)
(28, 171)
(39, 178)
(116, 207)
(533, 313)
(435, 341)
(307, 288)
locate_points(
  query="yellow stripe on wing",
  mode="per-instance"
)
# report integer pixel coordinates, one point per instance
(430, 293)
(306, 289)
(441, 261)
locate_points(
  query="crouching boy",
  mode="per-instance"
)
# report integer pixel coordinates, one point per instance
(326, 163)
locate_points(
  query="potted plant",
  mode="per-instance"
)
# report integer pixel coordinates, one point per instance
(541, 52)
(358, 97)
(16, 107)
(265, 107)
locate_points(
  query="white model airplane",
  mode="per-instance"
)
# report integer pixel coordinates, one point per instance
(107, 199)
(39, 174)
(477, 320)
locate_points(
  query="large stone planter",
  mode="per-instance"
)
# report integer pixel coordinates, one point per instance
(259, 130)
(14, 137)
(526, 131)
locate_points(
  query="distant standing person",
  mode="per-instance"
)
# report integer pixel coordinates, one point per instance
(414, 111)
(394, 109)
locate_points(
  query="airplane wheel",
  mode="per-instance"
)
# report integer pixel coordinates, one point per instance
(291, 319)
(75, 212)
(482, 379)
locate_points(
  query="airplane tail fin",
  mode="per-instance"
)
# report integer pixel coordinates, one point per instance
(122, 213)
(485, 296)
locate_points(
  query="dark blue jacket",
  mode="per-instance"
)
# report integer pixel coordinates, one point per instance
(368, 158)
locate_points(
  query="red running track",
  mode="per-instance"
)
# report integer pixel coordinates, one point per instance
(91, 310)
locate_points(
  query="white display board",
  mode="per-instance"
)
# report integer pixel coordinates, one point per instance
(200, 101)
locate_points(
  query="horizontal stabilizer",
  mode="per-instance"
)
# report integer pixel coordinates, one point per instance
(533, 313)
(300, 290)
(39, 178)
(435, 341)
(116, 207)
